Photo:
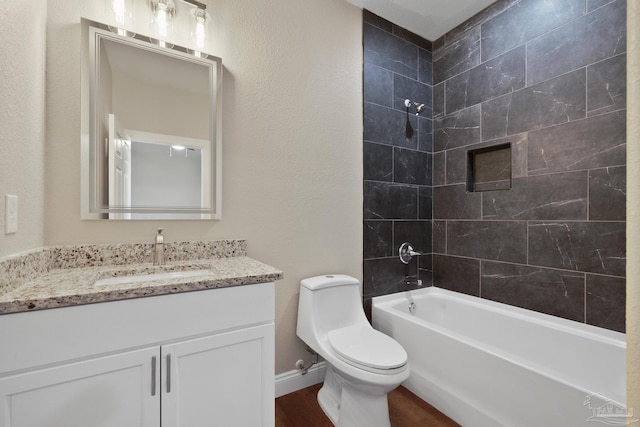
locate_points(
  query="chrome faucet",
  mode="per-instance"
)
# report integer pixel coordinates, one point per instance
(158, 258)
(412, 281)
(406, 252)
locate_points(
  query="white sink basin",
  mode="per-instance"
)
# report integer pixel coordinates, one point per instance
(122, 280)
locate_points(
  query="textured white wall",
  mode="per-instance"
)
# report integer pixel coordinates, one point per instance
(633, 207)
(292, 142)
(22, 119)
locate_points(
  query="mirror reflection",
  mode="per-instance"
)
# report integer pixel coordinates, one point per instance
(175, 169)
(152, 171)
(153, 145)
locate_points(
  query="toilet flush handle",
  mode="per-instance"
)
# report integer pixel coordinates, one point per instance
(406, 252)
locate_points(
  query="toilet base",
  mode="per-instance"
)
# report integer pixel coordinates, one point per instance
(353, 405)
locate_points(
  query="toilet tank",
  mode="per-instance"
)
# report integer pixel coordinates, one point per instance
(327, 303)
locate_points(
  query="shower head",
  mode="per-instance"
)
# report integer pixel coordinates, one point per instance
(419, 107)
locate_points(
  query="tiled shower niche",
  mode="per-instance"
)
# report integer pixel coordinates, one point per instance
(489, 168)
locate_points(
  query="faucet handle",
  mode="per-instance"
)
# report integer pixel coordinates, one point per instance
(406, 252)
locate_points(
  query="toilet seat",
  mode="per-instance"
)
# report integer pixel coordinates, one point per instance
(368, 349)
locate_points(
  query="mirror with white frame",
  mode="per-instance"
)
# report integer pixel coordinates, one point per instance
(151, 146)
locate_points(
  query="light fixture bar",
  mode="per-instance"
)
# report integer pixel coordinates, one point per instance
(196, 4)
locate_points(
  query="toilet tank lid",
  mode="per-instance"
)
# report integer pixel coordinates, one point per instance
(327, 281)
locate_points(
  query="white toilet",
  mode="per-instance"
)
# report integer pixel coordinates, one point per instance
(363, 364)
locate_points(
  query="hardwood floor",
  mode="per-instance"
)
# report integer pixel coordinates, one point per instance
(301, 409)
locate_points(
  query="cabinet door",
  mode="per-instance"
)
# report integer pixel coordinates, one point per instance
(110, 391)
(224, 380)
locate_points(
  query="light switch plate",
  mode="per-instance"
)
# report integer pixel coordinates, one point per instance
(10, 214)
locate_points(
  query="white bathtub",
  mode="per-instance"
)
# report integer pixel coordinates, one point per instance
(484, 363)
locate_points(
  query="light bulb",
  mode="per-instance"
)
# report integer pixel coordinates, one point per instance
(162, 20)
(119, 11)
(121, 15)
(199, 31)
(163, 13)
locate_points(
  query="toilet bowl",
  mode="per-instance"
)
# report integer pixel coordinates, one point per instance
(363, 364)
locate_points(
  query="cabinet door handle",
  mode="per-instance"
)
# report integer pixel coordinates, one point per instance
(168, 373)
(153, 375)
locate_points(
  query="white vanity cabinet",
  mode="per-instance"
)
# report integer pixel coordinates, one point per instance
(218, 380)
(202, 358)
(105, 391)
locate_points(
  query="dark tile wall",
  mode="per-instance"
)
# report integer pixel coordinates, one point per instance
(548, 77)
(397, 156)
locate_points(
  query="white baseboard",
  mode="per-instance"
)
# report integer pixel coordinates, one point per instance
(291, 381)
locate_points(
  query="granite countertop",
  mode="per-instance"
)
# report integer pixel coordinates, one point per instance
(62, 277)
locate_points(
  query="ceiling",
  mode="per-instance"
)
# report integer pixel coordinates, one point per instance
(430, 19)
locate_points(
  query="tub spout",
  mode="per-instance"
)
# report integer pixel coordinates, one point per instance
(413, 281)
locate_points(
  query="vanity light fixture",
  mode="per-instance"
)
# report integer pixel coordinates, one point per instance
(163, 13)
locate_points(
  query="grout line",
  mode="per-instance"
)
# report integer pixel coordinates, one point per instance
(480, 44)
(536, 222)
(444, 98)
(445, 168)
(589, 196)
(393, 236)
(586, 90)
(527, 243)
(563, 172)
(446, 237)
(526, 64)
(480, 280)
(393, 89)
(533, 266)
(585, 298)
(393, 165)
